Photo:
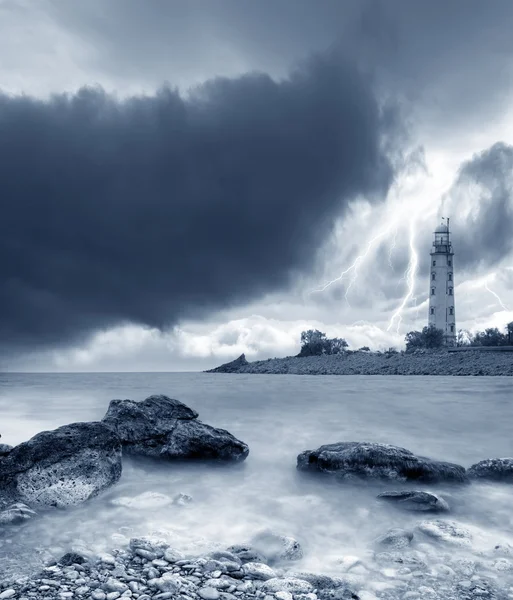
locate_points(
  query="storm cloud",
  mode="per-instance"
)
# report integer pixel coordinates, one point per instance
(481, 204)
(154, 208)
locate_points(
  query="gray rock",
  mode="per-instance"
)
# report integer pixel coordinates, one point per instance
(141, 421)
(317, 580)
(161, 427)
(63, 467)
(5, 449)
(415, 500)
(287, 584)
(276, 547)
(368, 460)
(208, 593)
(395, 538)
(246, 553)
(446, 531)
(16, 514)
(493, 469)
(256, 570)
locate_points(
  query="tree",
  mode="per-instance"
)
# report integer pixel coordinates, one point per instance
(315, 343)
(509, 329)
(336, 345)
(429, 337)
(414, 340)
(490, 337)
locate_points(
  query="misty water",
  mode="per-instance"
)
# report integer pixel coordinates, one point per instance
(461, 420)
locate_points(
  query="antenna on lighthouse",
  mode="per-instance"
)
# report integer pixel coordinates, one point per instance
(448, 219)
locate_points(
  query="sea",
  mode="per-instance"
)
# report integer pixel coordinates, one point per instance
(456, 419)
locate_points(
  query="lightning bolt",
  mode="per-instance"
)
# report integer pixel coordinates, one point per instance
(496, 295)
(409, 275)
(353, 269)
(392, 248)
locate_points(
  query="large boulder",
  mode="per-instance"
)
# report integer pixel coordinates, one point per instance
(368, 460)
(62, 467)
(161, 427)
(493, 469)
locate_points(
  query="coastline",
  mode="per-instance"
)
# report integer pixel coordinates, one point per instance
(419, 362)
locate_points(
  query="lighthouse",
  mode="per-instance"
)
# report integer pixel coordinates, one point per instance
(442, 313)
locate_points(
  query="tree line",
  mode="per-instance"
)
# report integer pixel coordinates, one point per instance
(316, 343)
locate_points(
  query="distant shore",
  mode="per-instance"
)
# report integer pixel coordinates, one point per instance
(419, 362)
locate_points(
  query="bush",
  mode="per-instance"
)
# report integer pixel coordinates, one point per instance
(429, 337)
(315, 343)
(364, 349)
(490, 337)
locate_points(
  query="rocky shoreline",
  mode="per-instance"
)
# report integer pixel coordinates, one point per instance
(419, 362)
(68, 466)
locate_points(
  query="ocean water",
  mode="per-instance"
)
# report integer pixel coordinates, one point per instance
(461, 420)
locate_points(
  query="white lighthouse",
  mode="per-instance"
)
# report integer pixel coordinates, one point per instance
(442, 313)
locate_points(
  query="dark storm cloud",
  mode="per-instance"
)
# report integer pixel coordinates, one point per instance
(156, 208)
(483, 234)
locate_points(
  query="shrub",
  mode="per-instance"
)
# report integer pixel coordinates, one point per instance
(315, 343)
(429, 337)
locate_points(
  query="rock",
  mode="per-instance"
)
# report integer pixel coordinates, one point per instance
(152, 545)
(5, 449)
(318, 581)
(446, 531)
(368, 460)
(16, 514)
(208, 593)
(161, 427)
(146, 500)
(247, 553)
(415, 501)
(140, 421)
(276, 547)
(256, 570)
(63, 467)
(231, 367)
(71, 558)
(286, 584)
(395, 538)
(493, 469)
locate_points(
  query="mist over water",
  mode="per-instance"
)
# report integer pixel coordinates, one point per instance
(461, 420)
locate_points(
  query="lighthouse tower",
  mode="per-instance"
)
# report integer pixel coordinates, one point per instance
(441, 285)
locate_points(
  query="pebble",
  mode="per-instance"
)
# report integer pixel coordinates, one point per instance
(7, 594)
(208, 593)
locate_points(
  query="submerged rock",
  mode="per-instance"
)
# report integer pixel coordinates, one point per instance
(161, 427)
(446, 531)
(63, 467)
(368, 460)
(246, 553)
(16, 514)
(395, 538)
(231, 367)
(276, 547)
(493, 469)
(146, 500)
(415, 500)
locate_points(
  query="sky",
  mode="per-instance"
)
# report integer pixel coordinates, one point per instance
(185, 181)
